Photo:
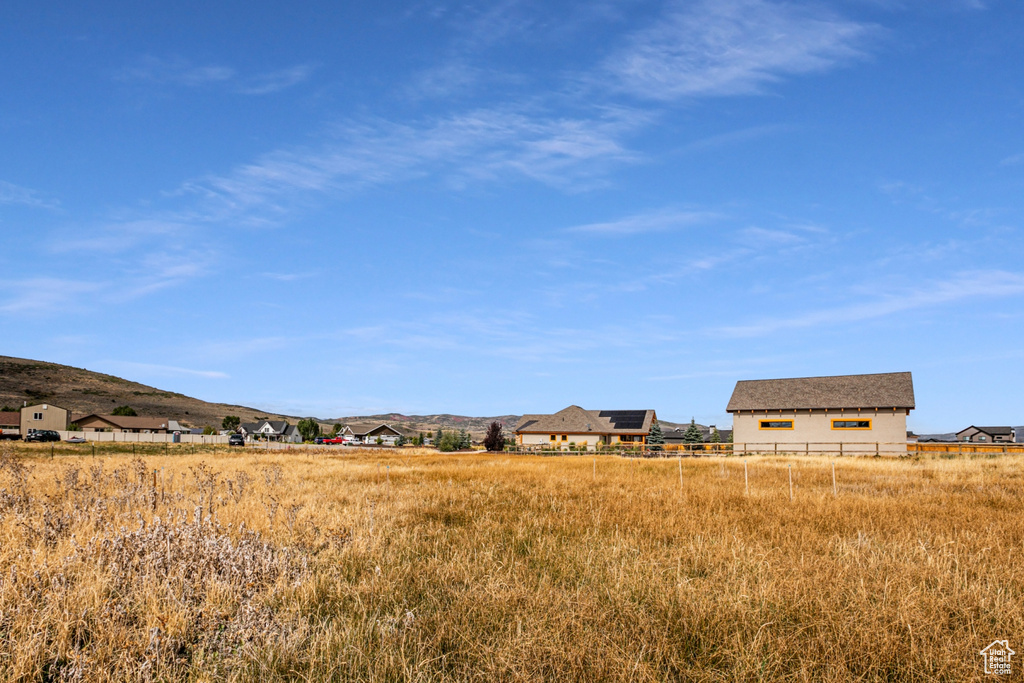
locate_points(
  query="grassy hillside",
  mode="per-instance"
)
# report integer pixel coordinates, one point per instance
(85, 391)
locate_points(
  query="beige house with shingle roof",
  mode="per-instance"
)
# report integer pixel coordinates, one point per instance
(858, 411)
(575, 426)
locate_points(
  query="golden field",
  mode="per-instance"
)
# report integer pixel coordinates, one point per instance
(413, 565)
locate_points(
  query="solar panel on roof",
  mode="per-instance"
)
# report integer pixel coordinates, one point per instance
(625, 419)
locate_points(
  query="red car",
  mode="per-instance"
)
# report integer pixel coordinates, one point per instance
(334, 440)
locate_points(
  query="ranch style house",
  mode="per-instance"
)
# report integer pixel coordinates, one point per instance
(857, 411)
(587, 428)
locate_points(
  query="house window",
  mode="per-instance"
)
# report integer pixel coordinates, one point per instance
(37, 416)
(981, 438)
(552, 437)
(776, 424)
(565, 437)
(851, 424)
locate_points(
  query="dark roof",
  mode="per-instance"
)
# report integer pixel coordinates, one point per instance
(577, 420)
(995, 431)
(365, 430)
(10, 419)
(884, 390)
(249, 427)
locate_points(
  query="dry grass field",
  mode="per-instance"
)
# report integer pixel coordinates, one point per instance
(412, 565)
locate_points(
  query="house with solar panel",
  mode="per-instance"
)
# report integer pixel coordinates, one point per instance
(857, 412)
(575, 426)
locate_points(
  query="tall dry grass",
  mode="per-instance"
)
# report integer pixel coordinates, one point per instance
(416, 566)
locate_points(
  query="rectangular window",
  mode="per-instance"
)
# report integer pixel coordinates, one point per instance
(776, 424)
(552, 437)
(37, 416)
(565, 437)
(851, 424)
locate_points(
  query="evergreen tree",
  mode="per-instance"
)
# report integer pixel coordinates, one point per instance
(465, 440)
(655, 439)
(231, 423)
(716, 437)
(438, 437)
(693, 433)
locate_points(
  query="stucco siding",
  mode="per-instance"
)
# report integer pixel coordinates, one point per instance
(887, 427)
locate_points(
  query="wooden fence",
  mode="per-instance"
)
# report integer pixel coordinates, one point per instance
(900, 449)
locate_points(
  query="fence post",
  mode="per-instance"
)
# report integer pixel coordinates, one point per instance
(791, 482)
(876, 449)
(840, 449)
(746, 480)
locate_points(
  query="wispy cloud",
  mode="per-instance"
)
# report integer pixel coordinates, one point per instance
(182, 72)
(156, 370)
(732, 47)
(655, 221)
(1013, 160)
(480, 145)
(44, 295)
(273, 81)
(966, 285)
(120, 235)
(16, 194)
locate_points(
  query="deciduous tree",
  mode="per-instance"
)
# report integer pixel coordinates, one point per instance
(231, 423)
(126, 411)
(495, 438)
(309, 429)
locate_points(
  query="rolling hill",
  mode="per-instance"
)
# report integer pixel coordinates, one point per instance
(85, 391)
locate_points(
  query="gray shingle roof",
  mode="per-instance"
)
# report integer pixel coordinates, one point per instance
(577, 420)
(884, 390)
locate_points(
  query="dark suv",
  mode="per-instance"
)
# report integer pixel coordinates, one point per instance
(236, 440)
(43, 435)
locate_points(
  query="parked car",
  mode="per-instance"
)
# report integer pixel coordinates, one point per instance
(9, 436)
(236, 440)
(43, 435)
(334, 440)
(75, 439)
(349, 441)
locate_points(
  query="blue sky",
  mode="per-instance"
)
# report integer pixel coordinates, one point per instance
(506, 207)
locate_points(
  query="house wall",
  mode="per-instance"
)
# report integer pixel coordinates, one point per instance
(815, 428)
(96, 424)
(52, 418)
(589, 439)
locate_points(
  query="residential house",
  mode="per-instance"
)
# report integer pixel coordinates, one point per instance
(272, 430)
(676, 435)
(369, 434)
(987, 435)
(848, 409)
(10, 423)
(133, 424)
(588, 428)
(43, 416)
